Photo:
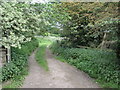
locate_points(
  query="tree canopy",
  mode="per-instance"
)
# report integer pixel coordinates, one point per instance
(89, 22)
(21, 21)
(80, 23)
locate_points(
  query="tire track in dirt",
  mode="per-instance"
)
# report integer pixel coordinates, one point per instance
(60, 75)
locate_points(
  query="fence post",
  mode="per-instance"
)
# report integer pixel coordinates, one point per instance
(8, 55)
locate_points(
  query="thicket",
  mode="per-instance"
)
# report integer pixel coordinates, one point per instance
(90, 23)
(99, 64)
(19, 58)
(93, 25)
(118, 35)
(118, 46)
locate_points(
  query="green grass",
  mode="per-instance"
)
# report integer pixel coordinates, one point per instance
(40, 54)
(99, 64)
(40, 57)
(44, 41)
(59, 58)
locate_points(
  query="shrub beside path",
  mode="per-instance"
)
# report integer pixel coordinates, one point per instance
(60, 75)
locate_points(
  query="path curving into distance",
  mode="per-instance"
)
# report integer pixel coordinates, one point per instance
(60, 75)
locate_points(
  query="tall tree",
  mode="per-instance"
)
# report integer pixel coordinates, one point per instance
(89, 22)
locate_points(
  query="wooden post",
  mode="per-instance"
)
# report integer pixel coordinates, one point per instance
(0, 57)
(8, 55)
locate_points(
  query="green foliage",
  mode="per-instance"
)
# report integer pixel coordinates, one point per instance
(40, 53)
(44, 41)
(21, 21)
(118, 47)
(99, 64)
(9, 71)
(18, 80)
(89, 22)
(13, 25)
(19, 60)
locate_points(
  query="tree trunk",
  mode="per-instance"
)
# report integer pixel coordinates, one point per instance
(103, 41)
(118, 45)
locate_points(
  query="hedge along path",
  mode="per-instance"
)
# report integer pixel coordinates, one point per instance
(60, 75)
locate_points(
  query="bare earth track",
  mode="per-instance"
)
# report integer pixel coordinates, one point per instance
(60, 75)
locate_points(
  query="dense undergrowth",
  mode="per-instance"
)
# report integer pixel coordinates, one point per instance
(99, 64)
(18, 64)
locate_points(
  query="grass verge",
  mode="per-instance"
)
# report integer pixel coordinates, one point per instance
(40, 57)
(14, 72)
(59, 58)
(40, 54)
(99, 64)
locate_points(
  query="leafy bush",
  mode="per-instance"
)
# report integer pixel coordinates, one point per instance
(118, 44)
(19, 60)
(9, 71)
(99, 64)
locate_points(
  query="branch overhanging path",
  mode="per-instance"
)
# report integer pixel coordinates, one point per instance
(60, 75)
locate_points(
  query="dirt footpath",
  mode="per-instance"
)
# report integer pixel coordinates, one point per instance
(60, 75)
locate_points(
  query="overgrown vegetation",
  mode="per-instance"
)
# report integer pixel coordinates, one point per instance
(118, 45)
(81, 24)
(17, 81)
(89, 24)
(16, 68)
(21, 21)
(99, 64)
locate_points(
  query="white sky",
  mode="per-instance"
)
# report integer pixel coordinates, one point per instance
(43, 1)
(39, 1)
